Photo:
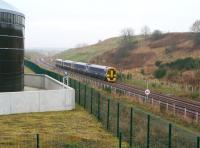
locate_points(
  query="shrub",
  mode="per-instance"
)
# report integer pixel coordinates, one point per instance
(160, 73)
(180, 64)
(157, 34)
(157, 63)
(142, 71)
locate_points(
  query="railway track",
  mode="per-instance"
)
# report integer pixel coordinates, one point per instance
(179, 104)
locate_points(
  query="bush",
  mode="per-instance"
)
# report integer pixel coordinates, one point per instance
(157, 63)
(129, 76)
(142, 71)
(182, 64)
(157, 34)
(160, 73)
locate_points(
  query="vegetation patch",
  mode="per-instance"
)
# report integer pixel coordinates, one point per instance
(160, 73)
(75, 127)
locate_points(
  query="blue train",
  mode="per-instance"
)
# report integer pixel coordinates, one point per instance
(98, 71)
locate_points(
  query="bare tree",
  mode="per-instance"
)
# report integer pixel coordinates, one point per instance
(127, 34)
(145, 31)
(196, 29)
(127, 42)
(196, 26)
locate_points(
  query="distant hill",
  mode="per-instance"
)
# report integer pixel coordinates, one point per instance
(88, 53)
(32, 54)
(168, 48)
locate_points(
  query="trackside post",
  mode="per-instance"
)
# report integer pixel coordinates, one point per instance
(108, 114)
(170, 136)
(148, 131)
(131, 127)
(118, 119)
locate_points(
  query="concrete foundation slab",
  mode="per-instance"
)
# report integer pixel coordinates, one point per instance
(42, 94)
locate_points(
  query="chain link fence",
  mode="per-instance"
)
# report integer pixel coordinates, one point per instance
(54, 140)
(140, 129)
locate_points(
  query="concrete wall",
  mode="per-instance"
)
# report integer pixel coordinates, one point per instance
(38, 101)
(43, 82)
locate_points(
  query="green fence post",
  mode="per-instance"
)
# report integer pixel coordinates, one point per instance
(148, 131)
(170, 136)
(98, 106)
(37, 141)
(91, 100)
(79, 93)
(72, 83)
(85, 96)
(108, 114)
(198, 142)
(75, 90)
(118, 119)
(120, 140)
(131, 127)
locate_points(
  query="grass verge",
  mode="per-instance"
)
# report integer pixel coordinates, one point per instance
(77, 126)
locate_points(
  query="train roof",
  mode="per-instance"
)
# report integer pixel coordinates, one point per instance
(68, 61)
(80, 63)
(58, 59)
(99, 66)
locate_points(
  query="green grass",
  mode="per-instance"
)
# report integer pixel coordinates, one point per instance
(27, 70)
(54, 127)
(164, 87)
(187, 125)
(85, 54)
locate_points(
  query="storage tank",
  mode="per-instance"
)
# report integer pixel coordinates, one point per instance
(11, 48)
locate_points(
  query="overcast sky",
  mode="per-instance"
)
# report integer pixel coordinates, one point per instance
(66, 23)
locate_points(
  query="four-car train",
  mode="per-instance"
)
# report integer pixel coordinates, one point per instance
(98, 71)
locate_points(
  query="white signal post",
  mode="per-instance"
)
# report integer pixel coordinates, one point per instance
(147, 92)
(65, 77)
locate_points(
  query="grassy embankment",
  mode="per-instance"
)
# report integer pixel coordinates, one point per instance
(72, 128)
(167, 117)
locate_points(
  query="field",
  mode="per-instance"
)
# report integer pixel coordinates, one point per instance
(75, 127)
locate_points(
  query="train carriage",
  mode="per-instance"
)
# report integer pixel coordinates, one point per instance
(80, 67)
(98, 71)
(67, 64)
(59, 63)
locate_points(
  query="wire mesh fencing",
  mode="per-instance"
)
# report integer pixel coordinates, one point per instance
(138, 128)
(55, 140)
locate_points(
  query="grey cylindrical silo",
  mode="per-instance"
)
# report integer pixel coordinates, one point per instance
(11, 48)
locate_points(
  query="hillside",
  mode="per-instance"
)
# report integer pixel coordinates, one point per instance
(141, 60)
(168, 48)
(88, 53)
